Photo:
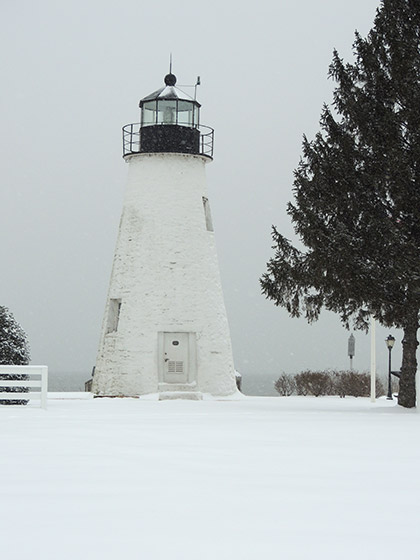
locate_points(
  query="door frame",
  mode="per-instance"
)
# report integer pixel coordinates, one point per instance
(192, 356)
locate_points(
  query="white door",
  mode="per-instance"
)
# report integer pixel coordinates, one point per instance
(176, 357)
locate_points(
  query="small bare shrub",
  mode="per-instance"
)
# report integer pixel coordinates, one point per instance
(355, 384)
(339, 383)
(352, 384)
(301, 385)
(285, 385)
(315, 383)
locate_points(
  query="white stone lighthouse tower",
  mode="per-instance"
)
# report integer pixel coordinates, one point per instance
(165, 328)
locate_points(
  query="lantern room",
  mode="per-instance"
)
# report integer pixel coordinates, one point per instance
(167, 107)
(170, 122)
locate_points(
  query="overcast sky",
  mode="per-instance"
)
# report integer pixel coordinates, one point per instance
(72, 75)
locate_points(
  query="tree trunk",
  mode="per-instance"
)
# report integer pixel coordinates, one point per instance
(407, 390)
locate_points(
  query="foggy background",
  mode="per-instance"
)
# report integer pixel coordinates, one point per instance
(73, 73)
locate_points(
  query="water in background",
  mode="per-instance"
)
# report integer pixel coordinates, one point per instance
(67, 381)
(258, 385)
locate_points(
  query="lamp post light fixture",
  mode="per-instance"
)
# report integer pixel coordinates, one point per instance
(390, 344)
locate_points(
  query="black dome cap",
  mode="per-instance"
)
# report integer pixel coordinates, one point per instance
(170, 79)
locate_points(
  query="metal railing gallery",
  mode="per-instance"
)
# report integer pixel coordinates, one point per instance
(131, 139)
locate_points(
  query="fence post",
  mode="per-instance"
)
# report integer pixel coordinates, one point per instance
(44, 386)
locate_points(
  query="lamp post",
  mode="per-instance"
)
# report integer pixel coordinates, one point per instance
(390, 344)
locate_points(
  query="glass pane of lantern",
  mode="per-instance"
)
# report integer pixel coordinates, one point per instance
(185, 113)
(148, 114)
(166, 112)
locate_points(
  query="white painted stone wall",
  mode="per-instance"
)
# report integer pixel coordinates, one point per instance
(166, 274)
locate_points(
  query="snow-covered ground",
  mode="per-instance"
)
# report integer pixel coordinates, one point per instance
(254, 478)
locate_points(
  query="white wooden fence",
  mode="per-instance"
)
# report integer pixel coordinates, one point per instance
(37, 383)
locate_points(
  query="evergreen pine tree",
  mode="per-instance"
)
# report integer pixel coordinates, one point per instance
(357, 193)
(14, 350)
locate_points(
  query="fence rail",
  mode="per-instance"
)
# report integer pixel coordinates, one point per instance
(34, 377)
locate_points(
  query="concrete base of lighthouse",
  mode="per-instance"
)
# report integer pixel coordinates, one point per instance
(173, 395)
(165, 328)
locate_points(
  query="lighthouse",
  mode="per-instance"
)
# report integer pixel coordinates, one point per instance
(165, 328)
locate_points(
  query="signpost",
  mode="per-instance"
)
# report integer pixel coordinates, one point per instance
(351, 350)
